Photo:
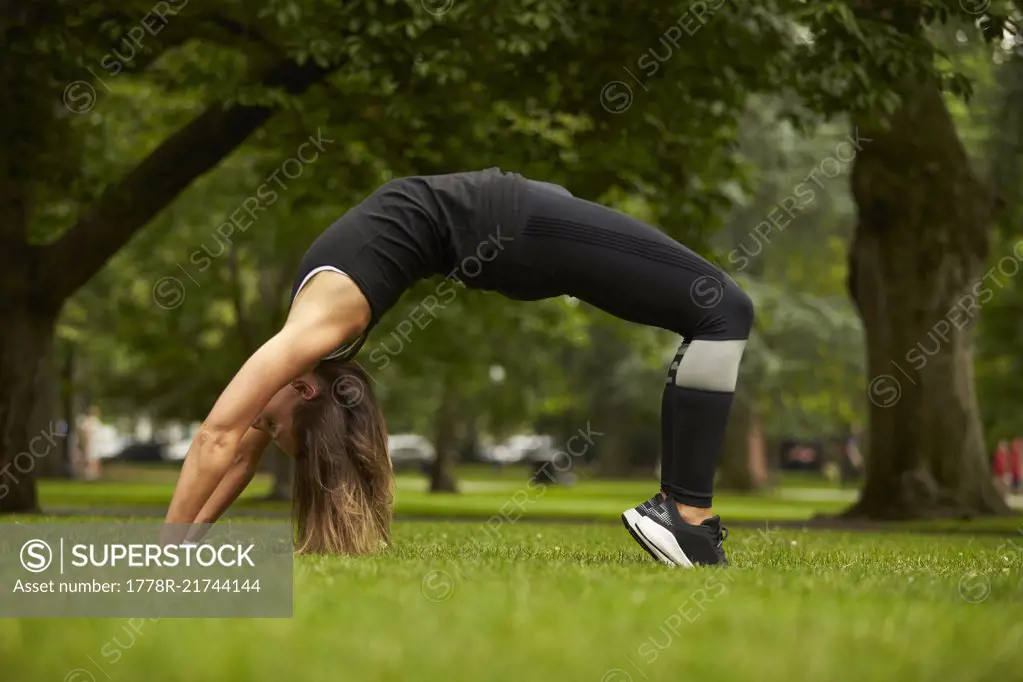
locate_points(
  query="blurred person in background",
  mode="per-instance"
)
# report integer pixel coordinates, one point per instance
(851, 458)
(1000, 467)
(86, 464)
(1016, 463)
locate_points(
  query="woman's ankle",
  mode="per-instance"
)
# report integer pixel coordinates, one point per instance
(694, 515)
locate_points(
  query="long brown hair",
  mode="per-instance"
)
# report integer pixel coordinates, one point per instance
(344, 483)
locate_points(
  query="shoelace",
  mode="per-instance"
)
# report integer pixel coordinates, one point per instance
(722, 536)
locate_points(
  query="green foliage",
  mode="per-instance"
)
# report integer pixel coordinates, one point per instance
(522, 85)
(1000, 360)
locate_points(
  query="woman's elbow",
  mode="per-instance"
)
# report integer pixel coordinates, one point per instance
(215, 450)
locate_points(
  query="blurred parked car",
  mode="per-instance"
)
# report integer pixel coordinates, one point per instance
(520, 448)
(107, 441)
(178, 447)
(802, 454)
(143, 451)
(169, 444)
(410, 451)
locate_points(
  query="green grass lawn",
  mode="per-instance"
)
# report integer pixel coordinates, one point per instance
(529, 601)
(587, 500)
(485, 493)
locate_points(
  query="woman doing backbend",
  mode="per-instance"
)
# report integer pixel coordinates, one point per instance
(535, 241)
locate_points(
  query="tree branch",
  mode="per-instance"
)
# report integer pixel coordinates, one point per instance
(159, 178)
(273, 280)
(242, 325)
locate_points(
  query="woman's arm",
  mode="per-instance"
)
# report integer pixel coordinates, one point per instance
(238, 477)
(213, 451)
(328, 312)
(250, 451)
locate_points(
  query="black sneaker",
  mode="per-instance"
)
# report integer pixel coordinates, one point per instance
(678, 543)
(631, 517)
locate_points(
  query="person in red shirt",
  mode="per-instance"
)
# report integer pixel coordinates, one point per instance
(1000, 466)
(1016, 463)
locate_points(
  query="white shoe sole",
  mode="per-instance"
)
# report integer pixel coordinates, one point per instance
(662, 542)
(632, 518)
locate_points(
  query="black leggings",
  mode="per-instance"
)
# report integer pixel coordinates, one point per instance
(568, 246)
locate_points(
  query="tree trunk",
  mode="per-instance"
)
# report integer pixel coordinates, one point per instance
(26, 339)
(759, 471)
(612, 453)
(46, 414)
(442, 471)
(735, 466)
(69, 398)
(283, 469)
(916, 274)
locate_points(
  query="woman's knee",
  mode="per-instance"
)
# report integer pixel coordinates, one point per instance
(731, 317)
(739, 309)
(709, 356)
